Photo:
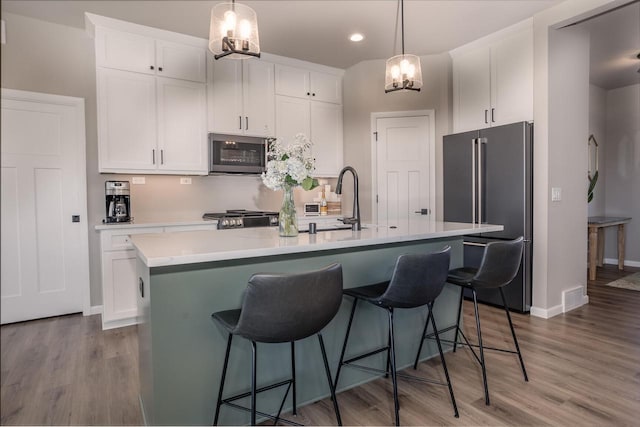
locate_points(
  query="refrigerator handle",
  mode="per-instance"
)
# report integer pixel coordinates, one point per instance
(480, 172)
(473, 180)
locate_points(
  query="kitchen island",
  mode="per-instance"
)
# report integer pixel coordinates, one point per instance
(184, 277)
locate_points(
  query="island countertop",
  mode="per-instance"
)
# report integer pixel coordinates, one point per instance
(168, 249)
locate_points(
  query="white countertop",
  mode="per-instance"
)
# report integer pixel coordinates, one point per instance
(165, 249)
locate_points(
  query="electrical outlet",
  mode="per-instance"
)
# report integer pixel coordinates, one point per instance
(556, 194)
(186, 181)
(138, 180)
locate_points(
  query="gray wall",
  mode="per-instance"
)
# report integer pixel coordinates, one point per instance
(364, 94)
(622, 168)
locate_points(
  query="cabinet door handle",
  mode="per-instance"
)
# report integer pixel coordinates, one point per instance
(313, 94)
(159, 68)
(153, 156)
(162, 157)
(141, 287)
(485, 116)
(246, 123)
(308, 93)
(240, 122)
(493, 111)
(151, 67)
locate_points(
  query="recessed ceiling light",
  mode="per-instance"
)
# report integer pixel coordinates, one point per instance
(356, 37)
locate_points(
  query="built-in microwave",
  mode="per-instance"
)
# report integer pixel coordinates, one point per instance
(236, 154)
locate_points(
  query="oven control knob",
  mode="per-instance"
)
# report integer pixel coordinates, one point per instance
(225, 223)
(240, 224)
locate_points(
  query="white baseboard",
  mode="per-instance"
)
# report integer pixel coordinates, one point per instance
(94, 309)
(546, 313)
(627, 262)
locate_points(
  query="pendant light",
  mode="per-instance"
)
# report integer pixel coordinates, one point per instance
(403, 71)
(234, 31)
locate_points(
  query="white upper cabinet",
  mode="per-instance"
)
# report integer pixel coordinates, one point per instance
(301, 83)
(126, 120)
(141, 54)
(180, 61)
(493, 79)
(293, 116)
(181, 125)
(151, 99)
(242, 100)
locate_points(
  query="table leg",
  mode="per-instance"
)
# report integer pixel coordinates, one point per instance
(621, 237)
(600, 246)
(593, 247)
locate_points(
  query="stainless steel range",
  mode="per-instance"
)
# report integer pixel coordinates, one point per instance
(242, 218)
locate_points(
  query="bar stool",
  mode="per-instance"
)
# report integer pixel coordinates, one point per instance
(499, 265)
(416, 281)
(280, 308)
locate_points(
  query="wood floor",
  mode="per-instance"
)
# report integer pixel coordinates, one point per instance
(584, 369)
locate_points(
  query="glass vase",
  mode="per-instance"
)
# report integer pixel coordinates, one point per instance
(287, 217)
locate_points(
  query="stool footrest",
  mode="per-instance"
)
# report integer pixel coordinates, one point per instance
(362, 356)
(261, 389)
(264, 414)
(398, 374)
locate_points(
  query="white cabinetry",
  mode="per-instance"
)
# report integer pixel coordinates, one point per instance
(493, 79)
(119, 277)
(241, 97)
(151, 99)
(310, 102)
(301, 83)
(132, 52)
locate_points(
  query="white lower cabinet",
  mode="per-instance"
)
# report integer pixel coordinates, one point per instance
(119, 277)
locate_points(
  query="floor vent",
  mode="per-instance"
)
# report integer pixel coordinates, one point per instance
(572, 298)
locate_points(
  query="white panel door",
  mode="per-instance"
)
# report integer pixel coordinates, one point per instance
(472, 90)
(119, 299)
(326, 135)
(403, 170)
(292, 118)
(258, 98)
(126, 121)
(45, 266)
(182, 132)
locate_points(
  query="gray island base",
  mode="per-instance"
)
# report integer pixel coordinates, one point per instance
(184, 277)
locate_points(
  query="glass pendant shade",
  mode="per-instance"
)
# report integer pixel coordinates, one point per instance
(234, 31)
(403, 73)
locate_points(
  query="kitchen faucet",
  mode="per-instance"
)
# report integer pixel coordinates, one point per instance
(355, 219)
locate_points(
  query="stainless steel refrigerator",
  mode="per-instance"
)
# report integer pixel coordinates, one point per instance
(488, 179)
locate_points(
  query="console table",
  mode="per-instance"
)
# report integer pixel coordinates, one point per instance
(596, 241)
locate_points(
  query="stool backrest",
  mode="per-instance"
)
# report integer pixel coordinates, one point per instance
(288, 307)
(417, 279)
(500, 263)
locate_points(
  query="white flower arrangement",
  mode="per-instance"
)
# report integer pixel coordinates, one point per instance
(289, 165)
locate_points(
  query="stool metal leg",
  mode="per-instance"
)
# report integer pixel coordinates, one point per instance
(444, 364)
(386, 375)
(513, 333)
(482, 362)
(455, 339)
(331, 387)
(224, 375)
(424, 332)
(254, 357)
(293, 375)
(394, 379)
(344, 345)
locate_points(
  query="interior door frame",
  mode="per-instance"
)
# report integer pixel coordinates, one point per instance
(430, 115)
(81, 167)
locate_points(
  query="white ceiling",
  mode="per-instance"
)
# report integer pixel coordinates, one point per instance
(318, 30)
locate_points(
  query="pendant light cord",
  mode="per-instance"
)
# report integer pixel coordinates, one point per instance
(402, 23)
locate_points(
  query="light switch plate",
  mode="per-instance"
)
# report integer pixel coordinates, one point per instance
(138, 180)
(556, 194)
(185, 181)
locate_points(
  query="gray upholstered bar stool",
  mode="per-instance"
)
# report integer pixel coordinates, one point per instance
(499, 266)
(417, 280)
(281, 308)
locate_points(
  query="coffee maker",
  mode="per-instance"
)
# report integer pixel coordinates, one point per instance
(117, 201)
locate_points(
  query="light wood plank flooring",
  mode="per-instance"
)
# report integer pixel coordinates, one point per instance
(584, 369)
